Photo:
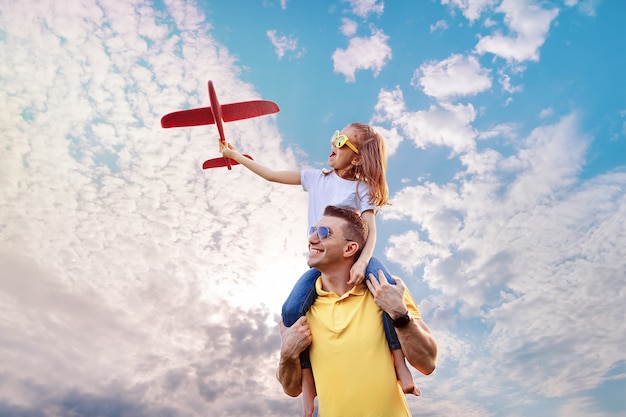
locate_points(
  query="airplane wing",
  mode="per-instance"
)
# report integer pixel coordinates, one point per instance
(248, 109)
(230, 112)
(221, 162)
(193, 117)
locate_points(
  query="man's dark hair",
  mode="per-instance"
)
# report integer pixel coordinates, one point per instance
(355, 228)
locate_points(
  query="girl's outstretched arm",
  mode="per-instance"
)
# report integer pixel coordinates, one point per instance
(357, 273)
(283, 177)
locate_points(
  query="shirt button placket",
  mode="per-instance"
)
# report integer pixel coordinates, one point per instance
(338, 316)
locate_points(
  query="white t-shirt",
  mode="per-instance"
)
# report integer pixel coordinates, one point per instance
(332, 190)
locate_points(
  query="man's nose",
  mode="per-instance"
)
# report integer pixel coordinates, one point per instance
(313, 237)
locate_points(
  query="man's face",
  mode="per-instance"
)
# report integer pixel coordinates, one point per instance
(329, 250)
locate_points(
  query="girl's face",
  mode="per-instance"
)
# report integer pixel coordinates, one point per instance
(344, 158)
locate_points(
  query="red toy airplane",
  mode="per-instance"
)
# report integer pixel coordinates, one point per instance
(219, 114)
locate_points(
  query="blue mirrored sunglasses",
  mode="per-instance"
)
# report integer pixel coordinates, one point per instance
(323, 232)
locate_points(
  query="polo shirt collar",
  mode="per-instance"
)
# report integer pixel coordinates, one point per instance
(359, 290)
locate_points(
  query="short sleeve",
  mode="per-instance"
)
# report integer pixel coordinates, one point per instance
(411, 305)
(364, 202)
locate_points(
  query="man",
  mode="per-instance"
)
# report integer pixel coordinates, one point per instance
(350, 358)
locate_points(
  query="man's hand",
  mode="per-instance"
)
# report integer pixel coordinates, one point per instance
(390, 298)
(294, 339)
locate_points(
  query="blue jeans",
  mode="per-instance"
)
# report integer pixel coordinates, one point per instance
(303, 296)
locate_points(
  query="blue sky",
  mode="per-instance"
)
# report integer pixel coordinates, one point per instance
(134, 283)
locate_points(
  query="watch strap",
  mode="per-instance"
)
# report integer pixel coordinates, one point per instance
(402, 321)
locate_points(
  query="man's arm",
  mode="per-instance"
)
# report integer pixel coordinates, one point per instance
(294, 340)
(418, 344)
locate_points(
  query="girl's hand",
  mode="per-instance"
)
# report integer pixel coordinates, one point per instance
(227, 150)
(357, 272)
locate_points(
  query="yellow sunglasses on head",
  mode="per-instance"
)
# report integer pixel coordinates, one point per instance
(339, 139)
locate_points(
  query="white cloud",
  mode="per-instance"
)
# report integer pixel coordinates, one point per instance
(517, 243)
(283, 44)
(455, 76)
(363, 8)
(505, 82)
(439, 25)
(390, 105)
(528, 24)
(587, 7)
(363, 54)
(471, 9)
(78, 345)
(392, 138)
(410, 252)
(121, 281)
(489, 23)
(506, 130)
(348, 27)
(548, 112)
(444, 124)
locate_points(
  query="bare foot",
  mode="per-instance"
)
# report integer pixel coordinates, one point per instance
(415, 391)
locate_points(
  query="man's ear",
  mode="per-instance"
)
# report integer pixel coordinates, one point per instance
(350, 249)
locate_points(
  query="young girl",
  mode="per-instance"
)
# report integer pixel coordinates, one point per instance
(358, 160)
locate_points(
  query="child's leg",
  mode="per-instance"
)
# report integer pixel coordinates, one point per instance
(402, 371)
(301, 297)
(390, 332)
(404, 374)
(308, 393)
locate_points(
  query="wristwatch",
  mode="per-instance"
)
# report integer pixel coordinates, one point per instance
(403, 320)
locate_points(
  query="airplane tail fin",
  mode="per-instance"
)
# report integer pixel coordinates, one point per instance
(221, 162)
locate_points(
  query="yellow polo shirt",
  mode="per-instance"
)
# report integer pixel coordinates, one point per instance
(350, 357)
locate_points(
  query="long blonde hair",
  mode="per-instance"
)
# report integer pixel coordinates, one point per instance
(373, 170)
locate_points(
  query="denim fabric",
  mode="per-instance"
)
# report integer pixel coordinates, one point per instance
(390, 332)
(303, 296)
